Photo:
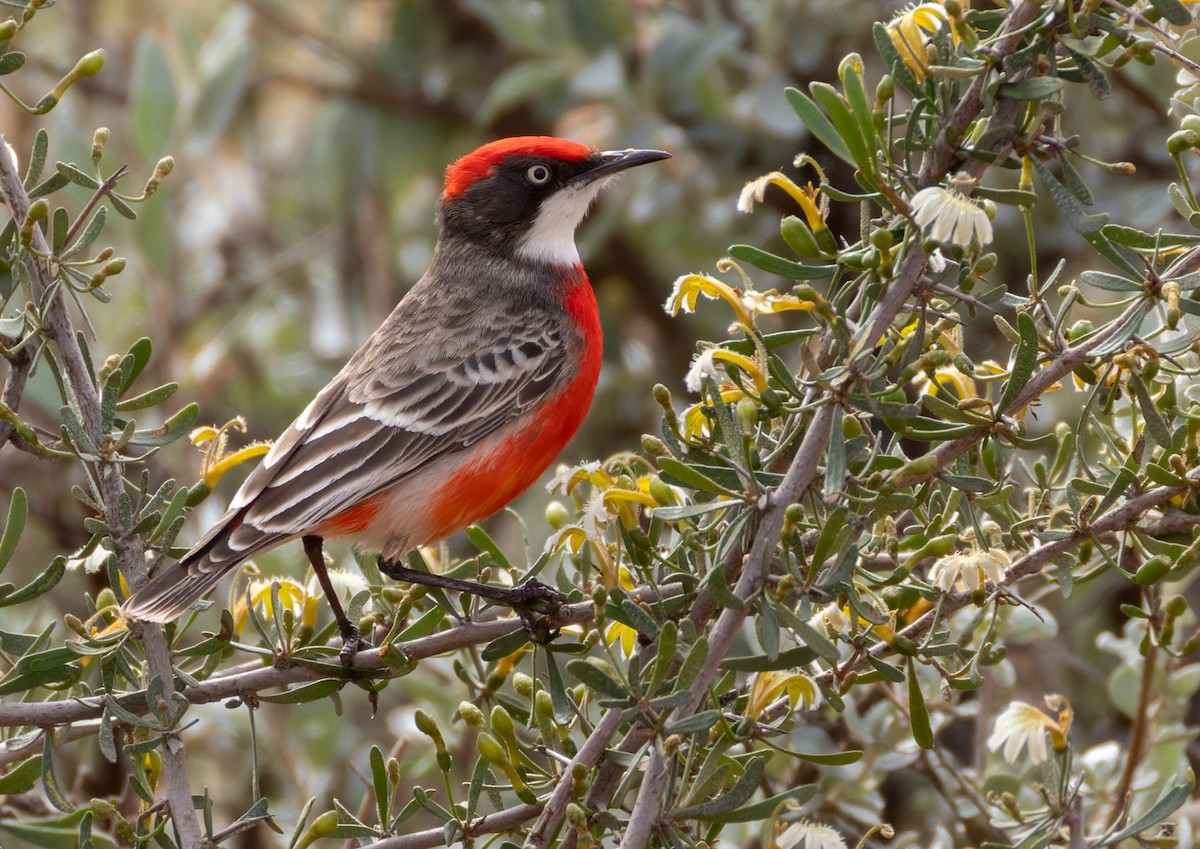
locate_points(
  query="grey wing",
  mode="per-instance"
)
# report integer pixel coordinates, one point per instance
(383, 418)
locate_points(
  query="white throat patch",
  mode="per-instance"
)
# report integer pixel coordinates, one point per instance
(552, 237)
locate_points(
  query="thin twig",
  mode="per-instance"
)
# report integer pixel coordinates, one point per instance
(556, 806)
(129, 548)
(253, 677)
(496, 823)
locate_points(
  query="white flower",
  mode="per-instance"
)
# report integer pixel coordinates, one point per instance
(830, 620)
(346, 583)
(807, 834)
(703, 365)
(950, 217)
(94, 562)
(972, 568)
(1022, 725)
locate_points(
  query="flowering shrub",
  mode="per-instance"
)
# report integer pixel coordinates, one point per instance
(821, 606)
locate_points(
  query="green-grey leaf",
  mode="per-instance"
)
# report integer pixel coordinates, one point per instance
(18, 511)
(1110, 282)
(305, 692)
(1034, 88)
(50, 783)
(918, 714)
(733, 798)
(818, 124)
(23, 777)
(1173, 11)
(1173, 797)
(40, 585)
(773, 264)
(1024, 362)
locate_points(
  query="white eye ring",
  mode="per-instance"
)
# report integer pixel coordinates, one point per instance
(538, 174)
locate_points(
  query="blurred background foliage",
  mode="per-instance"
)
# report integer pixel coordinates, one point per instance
(309, 141)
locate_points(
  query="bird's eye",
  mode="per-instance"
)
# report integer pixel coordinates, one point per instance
(538, 174)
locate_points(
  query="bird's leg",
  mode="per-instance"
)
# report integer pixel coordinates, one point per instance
(352, 640)
(529, 599)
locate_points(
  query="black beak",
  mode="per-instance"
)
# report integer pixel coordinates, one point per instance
(612, 161)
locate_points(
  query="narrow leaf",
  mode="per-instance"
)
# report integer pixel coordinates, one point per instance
(1023, 362)
(919, 715)
(18, 511)
(50, 784)
(773, 264)
(590, 673)
(819, 125)
(735, 797)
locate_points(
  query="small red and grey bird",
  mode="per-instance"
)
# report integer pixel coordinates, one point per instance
(455, 405)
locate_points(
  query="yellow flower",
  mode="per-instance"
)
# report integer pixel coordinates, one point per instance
(216, 462)
(814, 207)
(705, 365)
(690, 287)
(770, 301)
(948, 378)
(908, 33)
(802, 691)
(619, 632)
(302, 599)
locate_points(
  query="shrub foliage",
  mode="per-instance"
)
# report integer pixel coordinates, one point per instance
(892, 486)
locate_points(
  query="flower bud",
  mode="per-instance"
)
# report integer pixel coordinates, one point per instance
(99, 139)
(88, 65)
(653, 445)
(523, 685)
(660, 491)
(322, 826)
(161, 170)
(885, 90)
(543, 704)
(747, 415)
(105, 598)
(472, 715)
(427, 725)
(1181, 141)
(557, 515)
(492, 751)
(502, 722)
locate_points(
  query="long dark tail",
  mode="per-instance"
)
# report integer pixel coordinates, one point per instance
(172, 591)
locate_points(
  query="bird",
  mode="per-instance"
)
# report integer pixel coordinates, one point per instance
(453, 407)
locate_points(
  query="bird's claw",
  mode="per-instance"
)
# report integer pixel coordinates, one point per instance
(535, 603)
(352, 644)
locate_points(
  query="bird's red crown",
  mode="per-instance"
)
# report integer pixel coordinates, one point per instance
(478, 164)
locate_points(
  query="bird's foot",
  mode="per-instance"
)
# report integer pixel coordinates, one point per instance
(533, 601)
(537, 603)
(352, 644)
